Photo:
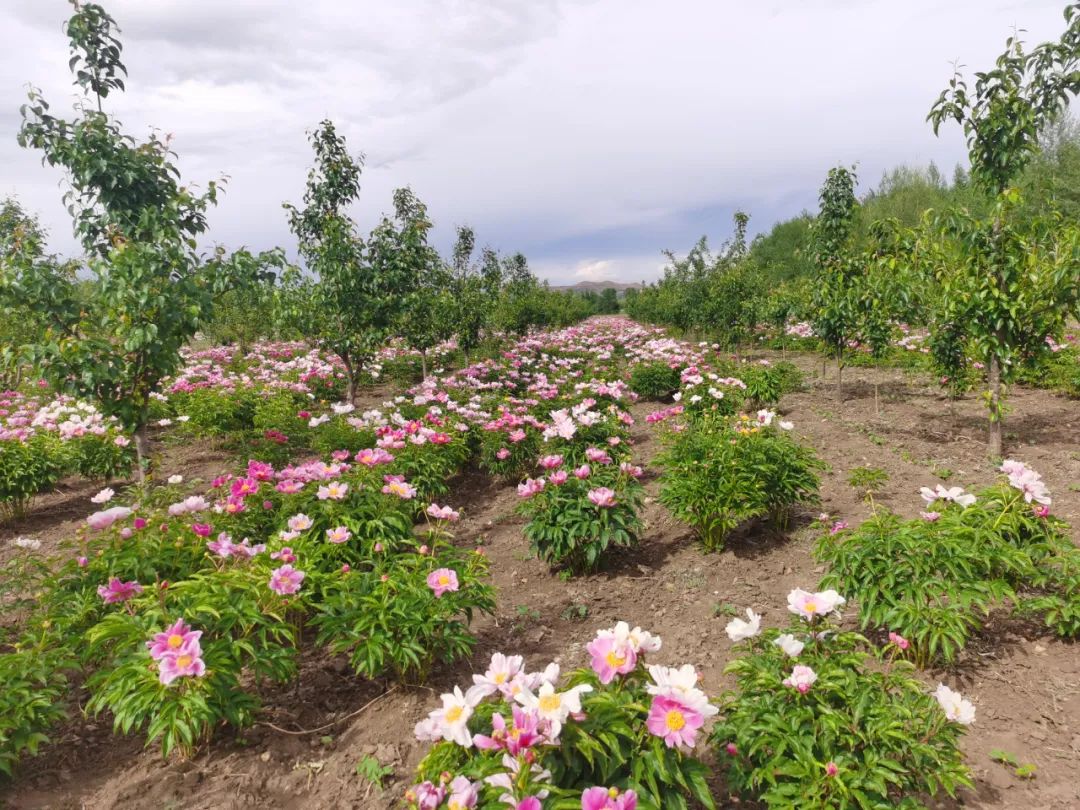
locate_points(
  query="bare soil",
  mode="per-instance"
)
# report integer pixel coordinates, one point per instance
(1026, 684)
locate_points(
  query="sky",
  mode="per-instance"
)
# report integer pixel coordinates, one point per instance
(591, 135)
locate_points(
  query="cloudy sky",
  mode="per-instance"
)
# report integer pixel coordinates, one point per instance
(589, 134)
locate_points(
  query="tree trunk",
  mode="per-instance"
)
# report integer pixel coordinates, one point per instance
(350, 381)
(423, 364)
(142, 453)
(877, 402)
(994, 380)
(839, 377)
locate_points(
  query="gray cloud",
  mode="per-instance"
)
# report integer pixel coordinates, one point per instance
(591, 134)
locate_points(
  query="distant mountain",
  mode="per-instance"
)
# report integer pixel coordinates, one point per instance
(597, 286)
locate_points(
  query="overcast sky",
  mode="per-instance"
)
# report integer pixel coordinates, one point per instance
(589, 134)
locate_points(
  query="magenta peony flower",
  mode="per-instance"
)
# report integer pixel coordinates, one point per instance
(117, 591)
(610, 658)
(174, 641)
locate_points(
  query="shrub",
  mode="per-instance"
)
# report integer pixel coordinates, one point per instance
(518, 734)
(719, 473)
(820, 718)
(935, 579)
(573, 523)
(31, 701)
(27, 467)
(398, 616)
(100, 457)
(655, 380)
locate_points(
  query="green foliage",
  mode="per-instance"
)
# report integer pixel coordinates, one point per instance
(388, 620)
(138, 226)
(31, 701)
(935, 580)
(866, 715)
(567, 530)
(654, 380)
(867, 479)
(27, 468)
(361, 288)
(721, 472)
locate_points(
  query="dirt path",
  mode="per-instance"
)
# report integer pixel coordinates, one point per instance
(1026, 686)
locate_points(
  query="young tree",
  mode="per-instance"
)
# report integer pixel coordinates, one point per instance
(992, 271)
(360, 290)
(138, 227)
(833, 239)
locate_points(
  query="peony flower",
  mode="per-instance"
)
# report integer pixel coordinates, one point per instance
(530, 487)
(500, 672)
(789, 644)
(107, 517)
(954, 494)
(738, 630)
(551, 462)
(442, 512)
(173, 641)
(956, 708)
(524, 733)
(104, 496)
(339, 534)
(583, 472)
(117, 591)
(681, 684)
(831, 768)
(397, 485)
(442, 580)
(811, 605)
(673, 721)
(602, 497)
(300, 522)
(801, 678)
(286, 580)
(334, 491)
(553, 706)
(611, 658)
(930, 517)
(186, 663)
(454, 715)
(285, 555)
(602, 798)
(898, 640)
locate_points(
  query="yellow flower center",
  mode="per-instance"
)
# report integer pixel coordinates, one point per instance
(444, 579)
(453, 714)
(810, 607)
(175, 641)
(615, 660)
(550, 703)
(183, 661)
(500, 677)
(675, 720)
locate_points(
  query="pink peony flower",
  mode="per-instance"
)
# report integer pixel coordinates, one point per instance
(602, 798)
(286, 580)
(117, 591)
(502, 454)
(338, 534)
(530, 487)
(551, 462)
(442, 580)
(187, 663)
(558, 477)
(107, 517)
(173, 641)
(334, 491)
(831, 768)
(898, 640)
(285, 555)
(602, 497)
(673, 721)
(397, 485)
(583, 472)
(202, 529)
(801, 678)
(442, 512)
(610, 658)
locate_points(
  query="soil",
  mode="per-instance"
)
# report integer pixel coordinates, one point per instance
(1025, 683)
